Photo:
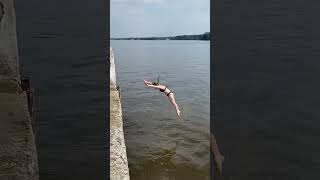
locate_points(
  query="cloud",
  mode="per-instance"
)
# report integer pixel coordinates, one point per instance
(137, 14)
(135, 11)
(119, 1)
(153, 1)
(159, 17)
(138, 1)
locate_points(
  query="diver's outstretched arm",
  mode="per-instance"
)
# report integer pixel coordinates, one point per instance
(149, 84)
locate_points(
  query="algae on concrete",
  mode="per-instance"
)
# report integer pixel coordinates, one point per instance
(118, 156)
(18, 155)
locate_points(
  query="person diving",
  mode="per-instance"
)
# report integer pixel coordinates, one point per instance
(166, 91)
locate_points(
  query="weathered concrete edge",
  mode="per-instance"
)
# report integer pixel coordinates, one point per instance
(18, 154)
(119, 169)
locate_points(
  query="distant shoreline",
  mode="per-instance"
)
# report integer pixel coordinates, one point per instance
(203, 37)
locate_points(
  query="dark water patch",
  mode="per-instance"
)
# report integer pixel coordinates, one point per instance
(48, 36)
(70, 101)
(265, 106)
(89, 62)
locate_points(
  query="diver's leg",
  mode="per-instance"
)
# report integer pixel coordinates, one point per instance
(218, 158)
(173, 102)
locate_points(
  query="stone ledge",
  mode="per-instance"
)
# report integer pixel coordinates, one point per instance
(118, 156)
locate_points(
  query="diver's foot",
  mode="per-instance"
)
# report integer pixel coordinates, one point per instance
(178, 112)
(218, 164)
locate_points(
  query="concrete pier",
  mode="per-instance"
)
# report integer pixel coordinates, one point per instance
(118, 156)
(18, 156)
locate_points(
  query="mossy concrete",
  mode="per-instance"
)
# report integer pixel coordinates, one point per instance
(118, 156)
(18, 155)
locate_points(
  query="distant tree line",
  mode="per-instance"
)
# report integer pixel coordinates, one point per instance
(204, 37)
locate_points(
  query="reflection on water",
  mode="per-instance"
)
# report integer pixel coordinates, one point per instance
(160, 145)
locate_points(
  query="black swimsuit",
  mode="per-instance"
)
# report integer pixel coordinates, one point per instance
(162, 90)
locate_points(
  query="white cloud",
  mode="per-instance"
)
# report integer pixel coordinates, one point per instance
(137, 14)
(135, 11)
(153, 1)
(119, 1)
(139, 1)
(159, 17)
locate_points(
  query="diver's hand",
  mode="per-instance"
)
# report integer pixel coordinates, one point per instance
(146, 83)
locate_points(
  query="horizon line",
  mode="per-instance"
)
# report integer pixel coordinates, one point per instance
(159, 36)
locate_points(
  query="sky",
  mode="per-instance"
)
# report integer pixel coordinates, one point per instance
(145, 18)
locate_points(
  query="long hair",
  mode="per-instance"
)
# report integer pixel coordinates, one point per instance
(156, 83)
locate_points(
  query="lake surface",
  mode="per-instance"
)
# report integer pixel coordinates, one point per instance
(159, 145)
(267, 69)
(63, 49)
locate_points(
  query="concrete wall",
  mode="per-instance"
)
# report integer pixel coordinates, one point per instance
(8, 45)
(118, 156)
(18, 157)
(112, 68)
